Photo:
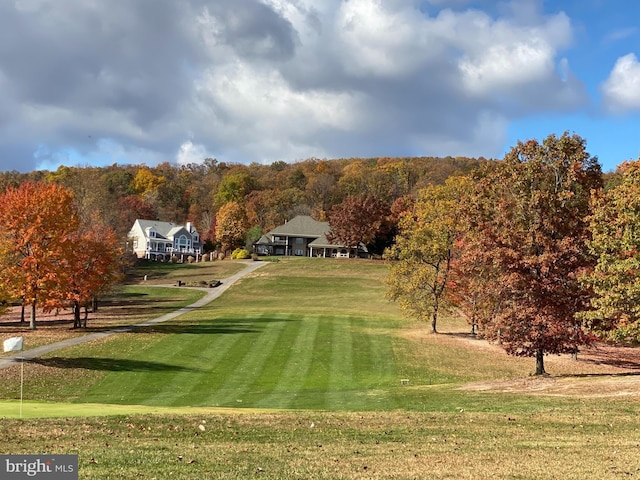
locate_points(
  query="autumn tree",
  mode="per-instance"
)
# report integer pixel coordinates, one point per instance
(421, 257)
(615, 242)
(95, 265)
(528, 226)
(358, 220)
(130, 208)
(234, 187)
(39, 221)
(270, 208)
(472, 284)
(146, 183)
(231, 226)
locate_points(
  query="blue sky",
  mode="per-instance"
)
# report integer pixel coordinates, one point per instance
(88, 82)
(605, 32)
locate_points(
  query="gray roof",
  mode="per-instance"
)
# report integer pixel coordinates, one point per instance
(301, 226)
(322, 242)
(264, 240)
(165, 229)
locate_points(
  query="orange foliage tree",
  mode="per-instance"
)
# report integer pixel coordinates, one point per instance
(39, 221)
(358, 220)
(93, 268)
(231, 226)
(49, 259)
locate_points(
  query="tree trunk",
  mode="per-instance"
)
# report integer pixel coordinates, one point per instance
(540, 362)
(32, 322)
(86, 315)
(76, 314)
(94, 303)
(22, 305)
(434, 319)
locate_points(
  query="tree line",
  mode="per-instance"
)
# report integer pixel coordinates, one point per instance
(248, 199)
(539, 250)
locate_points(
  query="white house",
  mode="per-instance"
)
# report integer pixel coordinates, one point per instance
(160, 240)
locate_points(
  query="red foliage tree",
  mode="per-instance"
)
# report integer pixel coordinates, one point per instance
(358, 220)
(528, 229)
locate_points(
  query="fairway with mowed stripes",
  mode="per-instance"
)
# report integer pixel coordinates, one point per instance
(268, 359)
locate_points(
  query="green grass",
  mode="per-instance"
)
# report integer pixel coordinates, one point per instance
(305, 334)
(586, 442)
(295, 373)
(169, 273)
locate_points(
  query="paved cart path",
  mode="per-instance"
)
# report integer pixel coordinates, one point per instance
(212, 294)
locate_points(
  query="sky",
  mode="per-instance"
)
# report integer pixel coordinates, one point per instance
(96, 82)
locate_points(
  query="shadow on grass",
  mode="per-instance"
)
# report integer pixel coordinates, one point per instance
(108, 364)
(598, 375)
(40, 323)
(610, 361)
(219, 327)
(467, 335)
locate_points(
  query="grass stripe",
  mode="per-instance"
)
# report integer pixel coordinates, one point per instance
(192, 388)
(249, 364)
(291, 379)
(341, 378)
(317, 380)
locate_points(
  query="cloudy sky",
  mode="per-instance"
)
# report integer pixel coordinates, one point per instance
(96, 82)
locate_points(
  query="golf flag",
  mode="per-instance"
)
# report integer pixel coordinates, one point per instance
(12, 344)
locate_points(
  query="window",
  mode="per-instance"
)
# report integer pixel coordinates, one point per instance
(182, 242)
(299, 241)
(299, 253)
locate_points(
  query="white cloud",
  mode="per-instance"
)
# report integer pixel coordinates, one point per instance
(265, 80)
(190, 153)
(499, 55)
(270, 120)
(621, 90)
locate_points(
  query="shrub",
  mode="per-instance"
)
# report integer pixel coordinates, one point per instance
(240, 253)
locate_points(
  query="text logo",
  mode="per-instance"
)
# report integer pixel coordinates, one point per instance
(39, 467)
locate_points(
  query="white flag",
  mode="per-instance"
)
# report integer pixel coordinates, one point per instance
(12, 344)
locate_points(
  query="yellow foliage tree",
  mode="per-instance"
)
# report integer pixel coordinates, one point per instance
(421, 258)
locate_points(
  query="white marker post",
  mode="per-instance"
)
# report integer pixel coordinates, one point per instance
(15, 344)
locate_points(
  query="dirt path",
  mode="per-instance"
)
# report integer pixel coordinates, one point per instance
(211, 295)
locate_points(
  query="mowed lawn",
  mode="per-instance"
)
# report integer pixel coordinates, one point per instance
(296, 372)
(297, 334)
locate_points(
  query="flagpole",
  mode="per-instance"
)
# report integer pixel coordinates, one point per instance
(21, 381)
(16, 344)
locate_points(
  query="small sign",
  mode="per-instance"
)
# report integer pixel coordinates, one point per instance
(39, 467)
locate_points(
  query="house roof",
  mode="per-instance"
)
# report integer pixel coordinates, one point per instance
(301, 226)
(164, 229)
(322, 242)
(264, 240)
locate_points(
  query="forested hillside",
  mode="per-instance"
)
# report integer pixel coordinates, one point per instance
(267, 194)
